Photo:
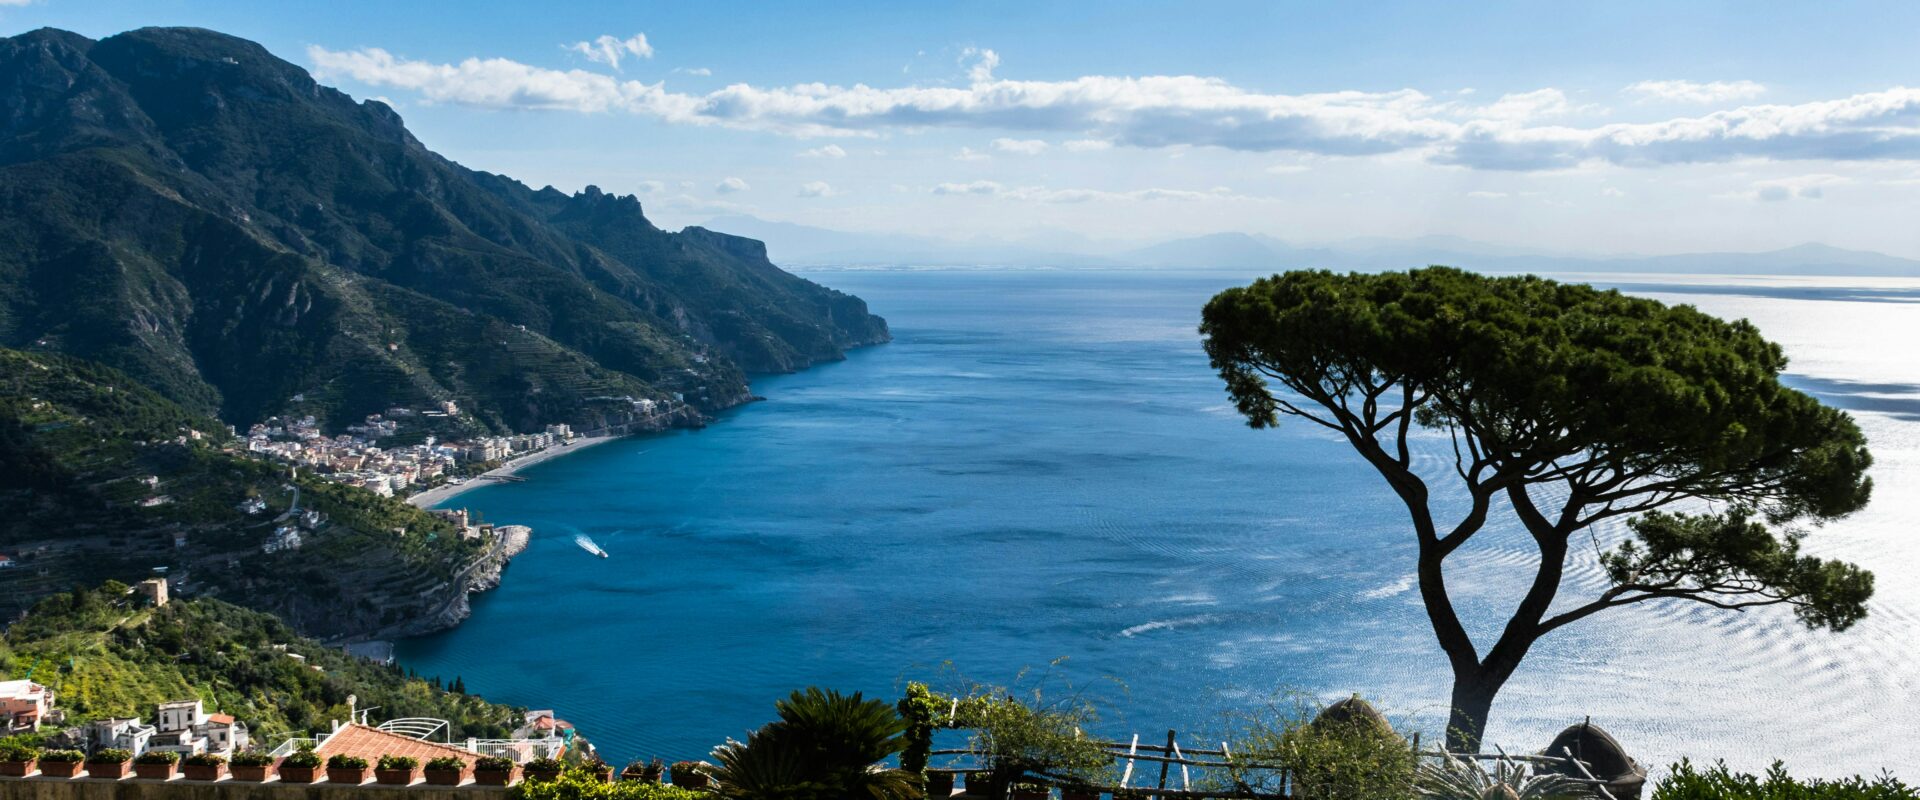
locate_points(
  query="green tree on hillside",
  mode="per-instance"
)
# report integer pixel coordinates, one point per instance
(1568, 406)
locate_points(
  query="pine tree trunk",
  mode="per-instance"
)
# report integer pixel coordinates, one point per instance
(1472, 702)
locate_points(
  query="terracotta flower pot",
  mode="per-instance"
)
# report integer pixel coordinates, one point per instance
(113, 771)
(494, 777)
(390, 777)
(205, 772)
(290, 774)
(689, 779)
(154, 772)
(16, 769)
(351, 776)
(253, 774)
(445, 777)
(939, 784)
(59, 769)
(540, 774)
(1079, 794)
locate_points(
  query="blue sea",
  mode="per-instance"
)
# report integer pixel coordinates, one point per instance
(1040, 482)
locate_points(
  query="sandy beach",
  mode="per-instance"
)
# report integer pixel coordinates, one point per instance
(438, 494)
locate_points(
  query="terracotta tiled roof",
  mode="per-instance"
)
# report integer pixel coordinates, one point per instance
(224, 719)
(372, 743)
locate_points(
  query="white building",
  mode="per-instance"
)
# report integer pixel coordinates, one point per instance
(184, 727)
(127, 734)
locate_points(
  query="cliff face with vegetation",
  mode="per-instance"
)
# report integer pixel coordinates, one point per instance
(106, 656)
(101, 477)
(184, 206)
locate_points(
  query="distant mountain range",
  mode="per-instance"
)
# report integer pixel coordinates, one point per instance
(183, 206)
(801, 245)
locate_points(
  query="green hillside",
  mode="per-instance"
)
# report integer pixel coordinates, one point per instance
(105, 655)
(186, 207)
(85, 449)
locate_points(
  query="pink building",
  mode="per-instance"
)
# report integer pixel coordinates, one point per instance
(23, 704)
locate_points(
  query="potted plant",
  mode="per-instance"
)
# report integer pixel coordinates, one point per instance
(1027, 791)
(394, 770)
(108, 762)
(156, 765)
(980, 783)
(689, 774)
(61, 763)
(1080, 792)
(252, 766)
(601, 771)
(204, 766)
(16, 759)
(544, 769)
(493, 771)
(343, 768)
(939, 784)
(301, 767)
(446, 771)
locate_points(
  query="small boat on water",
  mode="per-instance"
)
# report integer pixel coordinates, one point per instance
(588, 545)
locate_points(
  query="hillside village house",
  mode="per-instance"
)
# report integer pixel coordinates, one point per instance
(130, 735)
(24, 704)
(185, 727)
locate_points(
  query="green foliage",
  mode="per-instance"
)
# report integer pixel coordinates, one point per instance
(17, 751)
(824, 745)
(921, 711)
(207, 760)
(106, 660)
(62, 756)
(441, 764)
(1040, 733)
(400, 762)
(109, 755)
(576, 784)
(1355, 759)
(1453, 778)
(253, 758)
(302, 758)
(1687, 782)
(493, 763)
(1730, 553)
(158, 757)
(546, 765)
(344, 761)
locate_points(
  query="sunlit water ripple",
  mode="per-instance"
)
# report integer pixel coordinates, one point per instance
(1042, 465)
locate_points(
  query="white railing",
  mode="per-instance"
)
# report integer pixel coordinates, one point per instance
(520, 750)
(421, 728)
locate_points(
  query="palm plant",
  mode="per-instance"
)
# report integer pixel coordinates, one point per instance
(824, 745)
(1455, 778)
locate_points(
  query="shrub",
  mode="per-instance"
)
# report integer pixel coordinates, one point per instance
(16, 751)
(400, 762)
(208, 759)
(575, 784)
(304, 758)
(449, 764)
(253, 758)
(158, 757)
(1358, 761)
(62, 756)
(824, 744)
(546, 765)
(109, 755)
(1686, 782)
(493, 763)
(344, 761)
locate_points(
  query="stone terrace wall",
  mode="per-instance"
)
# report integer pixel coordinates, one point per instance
(135, 789)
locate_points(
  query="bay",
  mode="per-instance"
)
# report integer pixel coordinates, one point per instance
(1042, 466)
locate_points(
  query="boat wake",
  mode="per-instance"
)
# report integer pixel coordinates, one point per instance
(588, 545)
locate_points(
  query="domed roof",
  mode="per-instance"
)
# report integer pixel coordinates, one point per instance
(1603, 754)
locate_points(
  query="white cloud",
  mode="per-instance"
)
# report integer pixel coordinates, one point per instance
(652, 187)
(699, 71)
(1803, 187)
(1188, 111)
(829, 151)
(1611, 191)
(816, 189)
(609, 50)
(1041, 194)
(984, 63)
(1287, 169)
(1025, 147)
(970, 154)
(1087, 145)
(1691, 92)
(1486, 195)
(731, 185)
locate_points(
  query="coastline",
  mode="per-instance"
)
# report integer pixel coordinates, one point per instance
(444, 492)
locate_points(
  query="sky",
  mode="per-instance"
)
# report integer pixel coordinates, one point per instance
(1566, 127)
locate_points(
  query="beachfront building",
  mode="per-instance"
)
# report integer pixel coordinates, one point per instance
(24, 704)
